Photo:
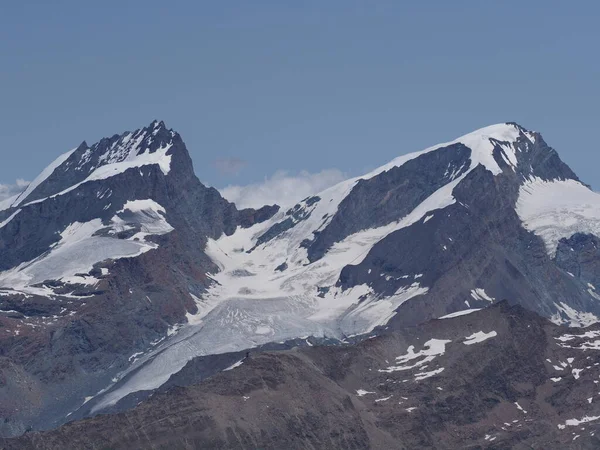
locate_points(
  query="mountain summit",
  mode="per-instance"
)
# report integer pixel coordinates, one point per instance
(118, 267)
(107, 158)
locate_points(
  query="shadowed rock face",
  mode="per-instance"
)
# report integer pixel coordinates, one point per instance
(391, 195)
(467, 382)
(580, 256)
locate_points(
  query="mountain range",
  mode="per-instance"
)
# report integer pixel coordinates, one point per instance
(128, 289)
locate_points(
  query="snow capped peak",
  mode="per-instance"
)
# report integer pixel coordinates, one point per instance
(126, 146)
(498, 148)
(107, 157)
(481, 142)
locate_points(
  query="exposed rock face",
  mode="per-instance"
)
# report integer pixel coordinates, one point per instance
(391, 195)
(498, 378)
(580, 256)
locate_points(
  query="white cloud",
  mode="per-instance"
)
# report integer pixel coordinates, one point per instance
(10, 190)
(282, 188)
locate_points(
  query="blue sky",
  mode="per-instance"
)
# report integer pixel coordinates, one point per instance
(268, 90)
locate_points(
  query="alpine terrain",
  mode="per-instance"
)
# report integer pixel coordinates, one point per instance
(435, 302)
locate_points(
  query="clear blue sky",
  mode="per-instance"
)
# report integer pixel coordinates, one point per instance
(296, 85)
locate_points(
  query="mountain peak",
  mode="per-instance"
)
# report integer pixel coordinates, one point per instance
(109, 156)
(493, 147)
(157, 124)
(517, 125)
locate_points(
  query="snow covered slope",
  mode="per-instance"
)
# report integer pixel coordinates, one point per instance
(82, 245)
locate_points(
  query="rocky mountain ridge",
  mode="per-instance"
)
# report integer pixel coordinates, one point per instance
(118, 268)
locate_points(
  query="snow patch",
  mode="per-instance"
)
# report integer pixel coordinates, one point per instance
(577, 422)
(574, 318)
(520, 408)
(362, 392)
(460, 313)
(424, 375)
(479, 294)
(234, 365)
(586, 335)
(478, 337)
(432, 349)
